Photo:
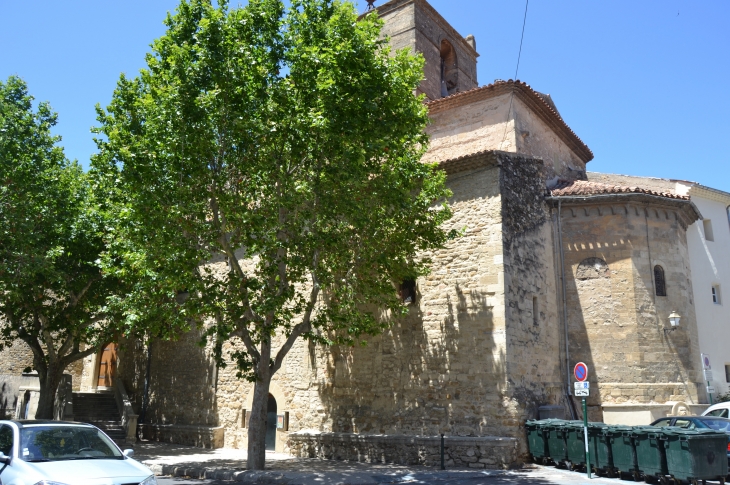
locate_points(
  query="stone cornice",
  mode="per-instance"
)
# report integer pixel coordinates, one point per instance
(685, 210)
(474, 161)
(529, 97)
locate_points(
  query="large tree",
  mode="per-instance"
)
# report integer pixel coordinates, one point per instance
(284, 144)
(52, 290)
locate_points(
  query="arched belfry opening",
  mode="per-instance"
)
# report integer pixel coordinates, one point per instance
(271, 424)
(449, 69)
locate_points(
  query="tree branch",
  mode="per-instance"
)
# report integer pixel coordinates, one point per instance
(243, 333)
(79, 354)
(75, 298)
(300, 328)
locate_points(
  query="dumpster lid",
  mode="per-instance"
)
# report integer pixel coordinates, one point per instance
(618, 427)
(579, 424)
(554, 422)
(642, 430)
(691, 433)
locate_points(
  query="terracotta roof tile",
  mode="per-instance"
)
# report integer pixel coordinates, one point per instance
(582, 187)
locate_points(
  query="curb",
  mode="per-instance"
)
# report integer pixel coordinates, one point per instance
(262, 477)
(284, 478)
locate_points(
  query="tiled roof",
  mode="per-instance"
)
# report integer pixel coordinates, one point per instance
(582, 187)
(536, 101)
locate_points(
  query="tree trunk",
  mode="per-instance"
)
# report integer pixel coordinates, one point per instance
(49, 386)
(257, 423)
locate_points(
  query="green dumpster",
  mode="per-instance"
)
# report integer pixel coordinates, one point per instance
(696, 454)
(651, 460)
(575, 443)
(576, 446)
(537, 440)
(623, 453)
(600, 448)
(555, 432)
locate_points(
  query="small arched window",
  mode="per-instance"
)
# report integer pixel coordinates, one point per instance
(449, 69)
(659, 281)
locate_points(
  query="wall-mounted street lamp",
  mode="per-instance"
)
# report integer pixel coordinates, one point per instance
(673, 321)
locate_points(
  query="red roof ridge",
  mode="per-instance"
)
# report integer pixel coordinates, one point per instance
(565, 188)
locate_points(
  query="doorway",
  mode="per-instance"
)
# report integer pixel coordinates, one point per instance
(107, 366)
(271, 424)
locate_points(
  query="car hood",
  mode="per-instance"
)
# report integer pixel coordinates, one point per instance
(79, 472)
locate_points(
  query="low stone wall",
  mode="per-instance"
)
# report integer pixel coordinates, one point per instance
(472, 452)
(200, 436)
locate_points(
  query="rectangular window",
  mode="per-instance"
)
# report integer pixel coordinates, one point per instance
(716, 295)
(727, 373)
(707, 223)
(408, 292)
(535, 311)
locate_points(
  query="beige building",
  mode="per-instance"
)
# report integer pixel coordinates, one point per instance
(551, 270)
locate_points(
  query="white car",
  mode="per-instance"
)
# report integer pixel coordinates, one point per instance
(719, 410)
(61, 453)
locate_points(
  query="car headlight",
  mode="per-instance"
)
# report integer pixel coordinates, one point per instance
(151, 480)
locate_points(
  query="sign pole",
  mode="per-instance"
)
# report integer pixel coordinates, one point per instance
(707, 372)
(585, 434)
(709, 393)
(582, 389)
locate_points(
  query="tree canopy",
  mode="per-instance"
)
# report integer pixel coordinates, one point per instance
(267, 170)
(52, 290)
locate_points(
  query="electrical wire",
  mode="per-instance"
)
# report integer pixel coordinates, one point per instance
(519, 55)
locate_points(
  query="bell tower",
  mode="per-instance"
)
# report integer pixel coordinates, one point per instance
(451, 60)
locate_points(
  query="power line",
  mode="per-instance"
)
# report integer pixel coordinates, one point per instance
(519, 55)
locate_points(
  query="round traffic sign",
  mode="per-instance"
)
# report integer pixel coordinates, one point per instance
(581, 371)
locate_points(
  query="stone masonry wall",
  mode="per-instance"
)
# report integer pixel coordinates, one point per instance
(441, 369)
(471, 452)
(485, 125)
(416, 25)
(615, 319)
(182, 380)
(536, 139)
(533, 327)
(469, 129)
(15, 359)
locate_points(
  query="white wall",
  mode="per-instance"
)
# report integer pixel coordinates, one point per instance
(710, 263)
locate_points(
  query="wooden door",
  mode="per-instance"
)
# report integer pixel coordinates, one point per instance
(107, 366)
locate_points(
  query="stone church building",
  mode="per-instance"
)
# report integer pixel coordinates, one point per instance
(552, 269)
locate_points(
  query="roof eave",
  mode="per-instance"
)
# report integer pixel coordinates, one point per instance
(688, 211)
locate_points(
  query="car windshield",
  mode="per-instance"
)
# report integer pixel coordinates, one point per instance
(717, 424)
(58, 443)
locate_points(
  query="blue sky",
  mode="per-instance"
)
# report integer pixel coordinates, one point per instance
(643, 83)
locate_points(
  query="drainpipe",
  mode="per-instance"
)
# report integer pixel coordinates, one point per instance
(568, 391)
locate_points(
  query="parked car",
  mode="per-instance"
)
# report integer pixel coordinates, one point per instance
(34, 452)
(698, 422)
(721, 410)
(695, 422)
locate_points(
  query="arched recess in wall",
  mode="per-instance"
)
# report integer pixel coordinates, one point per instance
(660, 282)
(274, 390)
(449, 69)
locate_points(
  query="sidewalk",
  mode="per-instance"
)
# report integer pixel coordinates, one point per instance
(230, 464)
